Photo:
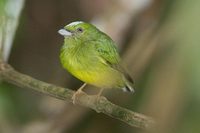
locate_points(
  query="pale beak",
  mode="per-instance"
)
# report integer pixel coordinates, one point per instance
(64, 32)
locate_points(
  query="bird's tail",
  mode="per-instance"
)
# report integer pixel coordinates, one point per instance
(128, 85)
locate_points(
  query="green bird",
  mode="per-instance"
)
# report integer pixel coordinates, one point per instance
(91, 56)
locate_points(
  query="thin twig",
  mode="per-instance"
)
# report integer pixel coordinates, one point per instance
(100, 105)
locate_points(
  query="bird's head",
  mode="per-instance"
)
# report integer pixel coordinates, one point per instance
(79, 30)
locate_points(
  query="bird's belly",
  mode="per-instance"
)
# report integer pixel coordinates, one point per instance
(97, 74)
(91, 69)
(101, 78)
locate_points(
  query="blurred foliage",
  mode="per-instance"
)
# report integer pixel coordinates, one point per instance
(9, 16)
(160, 44)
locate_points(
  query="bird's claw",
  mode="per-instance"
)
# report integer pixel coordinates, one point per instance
(75, 95)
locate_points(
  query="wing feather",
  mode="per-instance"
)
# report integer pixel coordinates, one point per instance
(109, 55)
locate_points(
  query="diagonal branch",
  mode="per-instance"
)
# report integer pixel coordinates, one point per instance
(100, 105)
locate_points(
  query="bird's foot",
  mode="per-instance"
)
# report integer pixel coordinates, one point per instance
(78, 92)
(98, 96)
(76, 95)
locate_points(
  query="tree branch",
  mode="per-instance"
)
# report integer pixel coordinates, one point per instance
(100, 105)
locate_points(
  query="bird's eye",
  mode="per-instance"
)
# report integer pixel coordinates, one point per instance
(79, 29)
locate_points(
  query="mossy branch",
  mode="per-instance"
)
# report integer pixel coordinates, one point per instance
(100, 105)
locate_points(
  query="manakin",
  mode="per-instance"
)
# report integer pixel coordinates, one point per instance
(91, 56)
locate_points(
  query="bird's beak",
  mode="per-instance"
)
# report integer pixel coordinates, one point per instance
(64, 32)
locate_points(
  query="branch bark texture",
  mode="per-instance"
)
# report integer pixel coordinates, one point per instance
(100, 105)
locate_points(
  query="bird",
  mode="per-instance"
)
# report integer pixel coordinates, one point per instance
(92, 56)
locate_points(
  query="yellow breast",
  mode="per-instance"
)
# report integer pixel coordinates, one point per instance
(103, 78)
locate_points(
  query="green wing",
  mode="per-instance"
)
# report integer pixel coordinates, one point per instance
(109, 55)
(108, 52)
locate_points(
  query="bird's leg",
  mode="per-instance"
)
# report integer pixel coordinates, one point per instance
(100, 92)
(79, 91)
